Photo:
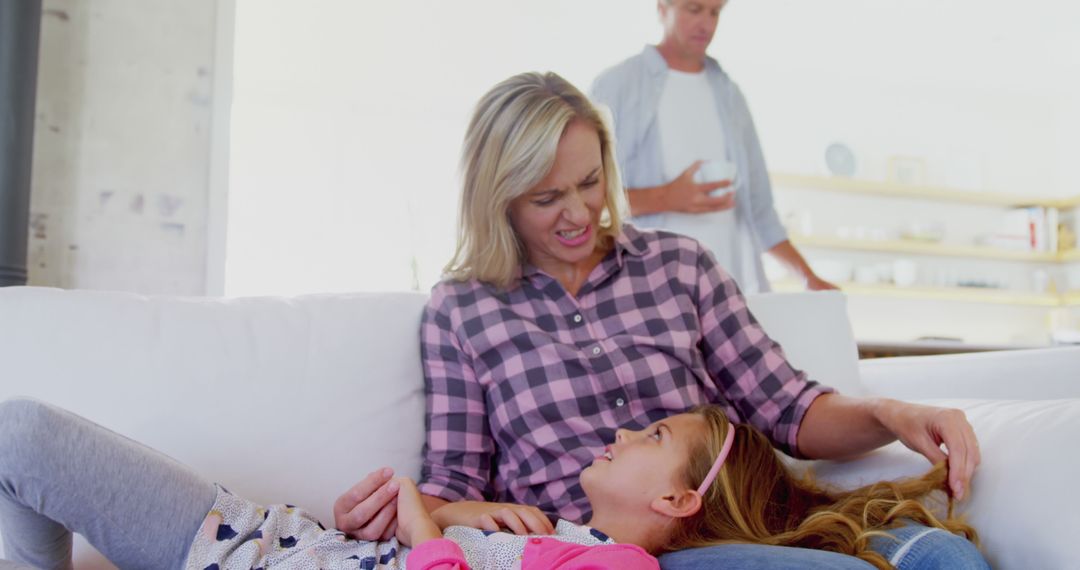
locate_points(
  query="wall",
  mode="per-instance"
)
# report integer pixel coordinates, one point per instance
(122, 146)
(345, 137)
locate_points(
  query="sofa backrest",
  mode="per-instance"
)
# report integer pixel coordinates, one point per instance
(282, 399)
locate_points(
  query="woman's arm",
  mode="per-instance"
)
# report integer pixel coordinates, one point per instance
(837, 427)
(459, 449)
(748, 368)
(458, 446)
(797, 414)
(519, 519)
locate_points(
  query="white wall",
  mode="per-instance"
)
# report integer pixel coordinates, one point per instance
(348, 116)
(121, 148)
(966, 84)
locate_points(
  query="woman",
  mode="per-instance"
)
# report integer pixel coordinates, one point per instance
(558, 325)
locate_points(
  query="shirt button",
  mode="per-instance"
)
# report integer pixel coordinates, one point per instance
(596, 350)
(620, 402)
(577, 318)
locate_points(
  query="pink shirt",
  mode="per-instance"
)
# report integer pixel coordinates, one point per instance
(525, 387)
(539, 554)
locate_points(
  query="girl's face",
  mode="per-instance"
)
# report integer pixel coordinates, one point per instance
(642, 466)
(558, 219)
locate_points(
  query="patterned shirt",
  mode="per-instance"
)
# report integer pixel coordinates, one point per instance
(238, 534)
(526, 386)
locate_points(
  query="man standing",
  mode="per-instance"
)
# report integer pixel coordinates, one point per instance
(688, 152)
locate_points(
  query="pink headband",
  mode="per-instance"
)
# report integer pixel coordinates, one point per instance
(728, 440)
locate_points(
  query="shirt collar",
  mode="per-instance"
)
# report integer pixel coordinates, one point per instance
(582, 534)
(656, 65)
(628, 242)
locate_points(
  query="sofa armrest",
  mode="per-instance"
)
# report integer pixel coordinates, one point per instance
(1038, 374)
(1022, 500)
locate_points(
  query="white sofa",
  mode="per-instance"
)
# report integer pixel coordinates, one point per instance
(294, 399)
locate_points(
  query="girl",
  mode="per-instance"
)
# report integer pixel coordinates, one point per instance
(690, 480)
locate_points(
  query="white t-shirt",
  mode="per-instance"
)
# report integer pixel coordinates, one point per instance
(690, 130)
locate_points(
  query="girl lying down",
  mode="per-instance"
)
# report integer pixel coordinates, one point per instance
(690, 480)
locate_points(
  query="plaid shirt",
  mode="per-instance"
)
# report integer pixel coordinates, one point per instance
(525, 387)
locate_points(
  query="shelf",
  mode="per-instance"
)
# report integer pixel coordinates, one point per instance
(963, 294)
(926, 347)
(931, 248)
(877, 188)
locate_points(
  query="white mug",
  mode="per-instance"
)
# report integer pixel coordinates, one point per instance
(715, 171)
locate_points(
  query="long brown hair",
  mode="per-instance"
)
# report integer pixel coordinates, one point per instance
(757, 499)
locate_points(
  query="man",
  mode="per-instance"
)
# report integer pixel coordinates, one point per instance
(685, 139)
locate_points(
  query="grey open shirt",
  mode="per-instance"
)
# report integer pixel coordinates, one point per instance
(632, 89)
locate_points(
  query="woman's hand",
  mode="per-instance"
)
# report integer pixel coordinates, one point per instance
(493, 516)
(414, 524)
(924, 428)
(368, 511)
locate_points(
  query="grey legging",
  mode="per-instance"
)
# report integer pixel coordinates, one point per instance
(59, 471)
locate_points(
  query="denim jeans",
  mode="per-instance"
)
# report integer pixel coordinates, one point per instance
(914, 547)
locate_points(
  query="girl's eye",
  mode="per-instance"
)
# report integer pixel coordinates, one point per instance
(590, 183)
(545, 202)
(656, 434)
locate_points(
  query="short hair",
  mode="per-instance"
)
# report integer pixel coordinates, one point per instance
(509, 148)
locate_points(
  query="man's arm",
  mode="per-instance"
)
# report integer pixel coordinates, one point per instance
(681, 195)
(786, 253)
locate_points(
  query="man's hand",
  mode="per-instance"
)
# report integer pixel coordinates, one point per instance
(368, 511)
(924, 428)
(493, 516)
(815, 283)
(685, 195)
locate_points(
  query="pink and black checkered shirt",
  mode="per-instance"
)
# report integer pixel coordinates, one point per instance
(525, 387)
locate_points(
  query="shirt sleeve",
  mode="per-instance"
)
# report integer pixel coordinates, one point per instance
(605, 93)
(749, 368)
(770, 231)
(438, 554)
(458, 448)
(614, 557)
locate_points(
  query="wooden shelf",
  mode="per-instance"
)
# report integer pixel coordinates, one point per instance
(931, 248)
(962, 294)
(939, 193)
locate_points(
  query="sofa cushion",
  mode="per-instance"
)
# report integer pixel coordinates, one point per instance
(1034, 374)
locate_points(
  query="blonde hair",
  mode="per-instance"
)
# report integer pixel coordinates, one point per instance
(756, 499)
(509, 148)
